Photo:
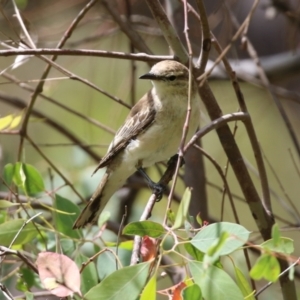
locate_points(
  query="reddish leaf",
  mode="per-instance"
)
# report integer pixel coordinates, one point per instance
(59, 274)
(177, 291)
(148, 248)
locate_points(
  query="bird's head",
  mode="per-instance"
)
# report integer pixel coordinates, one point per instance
(169, 76)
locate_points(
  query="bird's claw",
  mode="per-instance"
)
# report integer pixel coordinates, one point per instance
(158, 190)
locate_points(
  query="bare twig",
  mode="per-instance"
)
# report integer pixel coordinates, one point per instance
(52, 165)
(239, 32)
(167, 30)
(26, 260)
(61, 129)
(188, 114)
(87, 52)
(59, 104)
(205, 37)
(39, 87)
(6, 292)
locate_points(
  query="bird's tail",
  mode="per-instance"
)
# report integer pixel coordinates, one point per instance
(109, 184)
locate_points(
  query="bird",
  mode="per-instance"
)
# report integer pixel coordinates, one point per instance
(151, 133)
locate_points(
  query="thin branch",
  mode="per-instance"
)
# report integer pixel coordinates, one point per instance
(239, 32)
(205, 37)
(8, 251)
(73, 76)
(57, 103)
(67, 182)
(87, 52)
(39, 87)
(188, 113)
(61, 129)
(215, 124)
(253, 54)
(168, 30)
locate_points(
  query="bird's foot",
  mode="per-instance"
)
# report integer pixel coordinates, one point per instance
(157, 188)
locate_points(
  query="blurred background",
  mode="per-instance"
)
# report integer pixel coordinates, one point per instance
(72, 124)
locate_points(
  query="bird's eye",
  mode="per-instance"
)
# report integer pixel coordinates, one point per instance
(172, 77)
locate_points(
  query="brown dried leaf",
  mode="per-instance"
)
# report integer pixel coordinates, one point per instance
(177, 291)
(148, 248)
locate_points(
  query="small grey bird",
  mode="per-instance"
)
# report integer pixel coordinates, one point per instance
(151, 133)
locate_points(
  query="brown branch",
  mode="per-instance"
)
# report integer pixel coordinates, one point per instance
(167, 30)
(240, 31)
(87, 52)
(263, 220)
(205, 37)
(26, 260)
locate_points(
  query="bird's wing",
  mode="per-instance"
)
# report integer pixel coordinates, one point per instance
(140, 117)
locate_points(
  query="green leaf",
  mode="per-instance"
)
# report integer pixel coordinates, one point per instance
(29, 296)
(8, 231)
(126, 283)
(107, 264)
(104, 217)
(26, 280)
(211, 234)
(267, 267)
(171, 216)
(243, 284)
(3, 215)
(64, 222)
(276, 234)
(283, 245)
(199, 220)
(19, 176)
(143, 228)
(215, 250)
(34, 181)
(127, 245)
(5, 204)
(194, 252)
(216, 247)
(67, 246)
(292, 273)
(192, 292)
(182, 213)
(149, 292)
(89, 276)
(28, 178)
(214, 283)
(8, 173)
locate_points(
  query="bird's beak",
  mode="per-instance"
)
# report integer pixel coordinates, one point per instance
(150, 76)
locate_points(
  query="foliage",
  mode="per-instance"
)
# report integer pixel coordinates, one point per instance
(202, 250)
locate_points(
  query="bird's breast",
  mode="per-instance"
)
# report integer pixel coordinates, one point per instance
(162, 138)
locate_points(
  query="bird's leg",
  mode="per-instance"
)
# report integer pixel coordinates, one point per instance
(157, 188)
(173, 160)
